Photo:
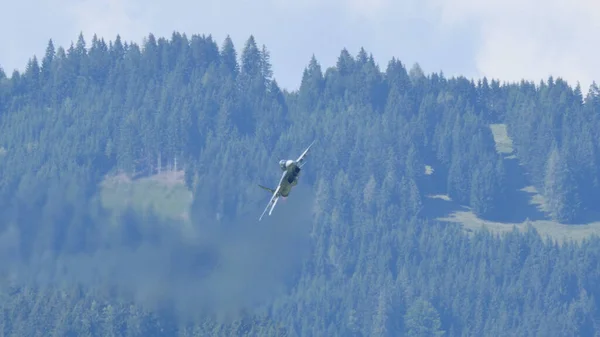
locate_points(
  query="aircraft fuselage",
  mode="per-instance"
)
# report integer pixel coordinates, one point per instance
(291, 177)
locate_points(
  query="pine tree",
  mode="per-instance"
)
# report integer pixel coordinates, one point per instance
(251, 59)
(560, 190)
(47, 61)
(422, 319)
(311, 86)
(229, 56)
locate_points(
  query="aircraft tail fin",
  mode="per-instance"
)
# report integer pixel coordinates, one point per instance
(266, 188)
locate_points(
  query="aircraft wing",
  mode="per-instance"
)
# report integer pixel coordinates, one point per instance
(274, 198)
(300, 161)
(271, 203)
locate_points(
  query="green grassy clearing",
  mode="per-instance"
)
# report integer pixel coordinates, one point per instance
(166, 193)
(503, 142)
(546, 228)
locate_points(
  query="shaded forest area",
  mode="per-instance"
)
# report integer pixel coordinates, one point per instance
(353, 252)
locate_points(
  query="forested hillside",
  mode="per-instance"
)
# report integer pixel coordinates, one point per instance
(129, 198)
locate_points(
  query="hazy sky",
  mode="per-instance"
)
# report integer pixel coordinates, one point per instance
(504, 39)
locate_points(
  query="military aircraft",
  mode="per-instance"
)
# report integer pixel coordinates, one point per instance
(289, 179)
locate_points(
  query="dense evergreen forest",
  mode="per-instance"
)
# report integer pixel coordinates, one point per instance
(356, 250)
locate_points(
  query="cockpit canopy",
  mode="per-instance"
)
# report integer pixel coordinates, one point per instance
(285, 164)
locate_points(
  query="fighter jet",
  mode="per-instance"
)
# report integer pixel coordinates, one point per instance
(289, 179)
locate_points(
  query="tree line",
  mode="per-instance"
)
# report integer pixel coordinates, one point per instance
(369, 258)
